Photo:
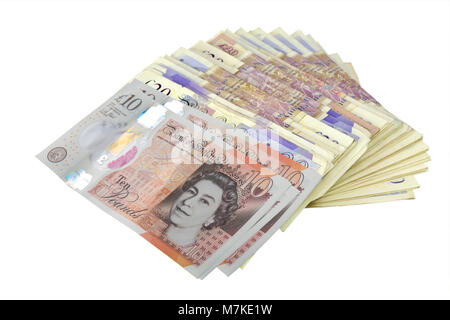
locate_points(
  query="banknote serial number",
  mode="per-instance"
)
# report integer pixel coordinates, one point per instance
(226, 310)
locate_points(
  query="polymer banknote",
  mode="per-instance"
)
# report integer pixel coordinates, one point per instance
(210, 150)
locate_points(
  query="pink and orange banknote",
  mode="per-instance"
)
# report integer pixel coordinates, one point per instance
(209, 151)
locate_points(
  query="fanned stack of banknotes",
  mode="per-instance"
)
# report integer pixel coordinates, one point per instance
(212, 149)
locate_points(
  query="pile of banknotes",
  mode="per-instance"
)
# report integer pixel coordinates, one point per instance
(209, 151)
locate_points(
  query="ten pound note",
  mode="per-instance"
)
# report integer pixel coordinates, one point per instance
(209, 151)
(193, 199)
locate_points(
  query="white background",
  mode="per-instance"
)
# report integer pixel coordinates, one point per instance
(60, 60)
